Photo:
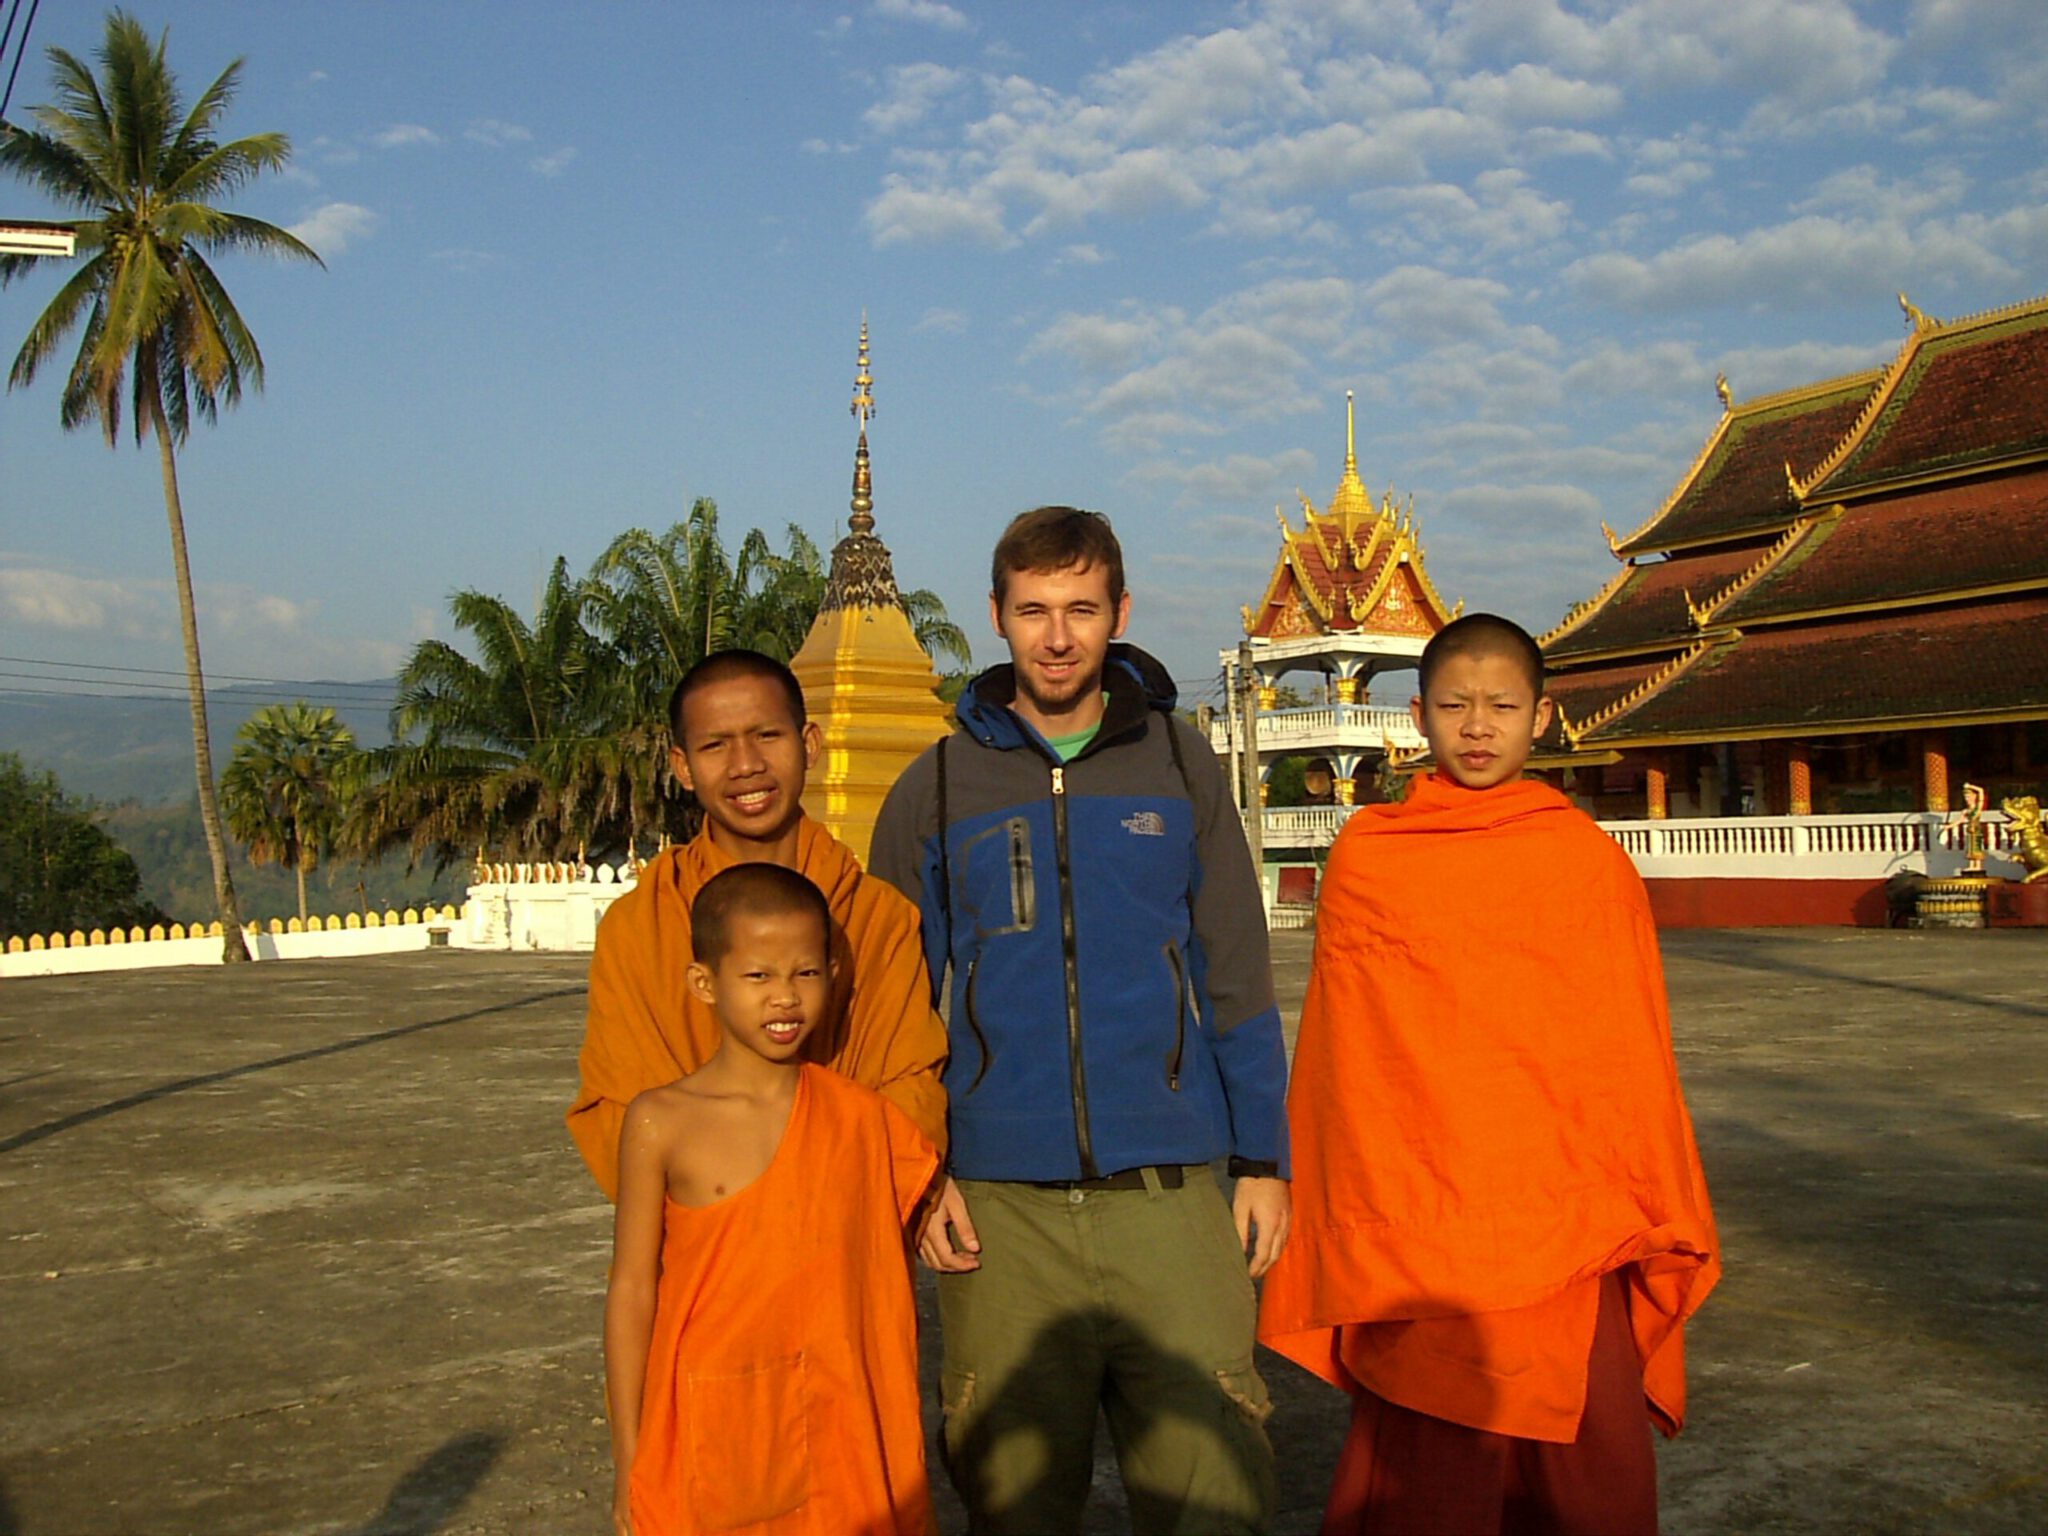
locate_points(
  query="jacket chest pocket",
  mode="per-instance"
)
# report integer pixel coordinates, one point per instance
(1002, 879)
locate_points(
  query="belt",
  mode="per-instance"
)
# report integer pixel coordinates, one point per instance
(1170, 1176)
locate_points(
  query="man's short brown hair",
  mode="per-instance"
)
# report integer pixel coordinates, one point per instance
(1057, 539)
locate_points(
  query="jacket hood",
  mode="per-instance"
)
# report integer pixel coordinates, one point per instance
(1135, 681)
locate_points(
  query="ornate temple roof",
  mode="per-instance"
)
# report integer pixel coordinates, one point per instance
(1962, 392)
(1740, 486)
(1356, 568)
(1646, 605)
(1904, 579)
(1971, 538)
(1966, 662)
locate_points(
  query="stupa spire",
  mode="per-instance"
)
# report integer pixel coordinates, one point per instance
(863, 407)
(1350, 500)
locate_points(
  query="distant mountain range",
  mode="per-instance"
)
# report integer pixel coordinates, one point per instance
(113, 749)
(134, 757)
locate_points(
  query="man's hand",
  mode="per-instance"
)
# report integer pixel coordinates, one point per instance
(948, 1243)
(1264, 1208)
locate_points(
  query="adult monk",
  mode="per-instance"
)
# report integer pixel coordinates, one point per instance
(742, 745)
(1500, 1219)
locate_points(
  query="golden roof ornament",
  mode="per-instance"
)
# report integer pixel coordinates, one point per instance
(863, 407)
(1721, 388)
(1351, 499)
(1916, 317)
(863, 576)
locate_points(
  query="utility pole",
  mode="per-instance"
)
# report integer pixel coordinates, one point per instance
(1248, 704)
(1230, 714)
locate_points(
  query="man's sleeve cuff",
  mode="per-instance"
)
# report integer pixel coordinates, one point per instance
(1253, 1168)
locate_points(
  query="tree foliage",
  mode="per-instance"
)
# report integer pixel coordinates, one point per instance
(59, 870)
(282, 790)
(548, 737)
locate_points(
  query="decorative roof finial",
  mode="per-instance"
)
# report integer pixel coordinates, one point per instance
(1916, 317)
(1351, 501)
(863, 504)
(1721, 388)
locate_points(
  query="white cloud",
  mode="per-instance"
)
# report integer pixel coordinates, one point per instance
(1531, 94)
(947, 322)
(50, 599)
(403, 135)
(1812, 259)
(907, 212)
(930, 13)
(1501, 215)
(912, 91)
(333, 227)
(828, 147)
(1235, 480)
(461, 259)
(554, 162)
(1430, 307)
(1083, 255)
(493, 134)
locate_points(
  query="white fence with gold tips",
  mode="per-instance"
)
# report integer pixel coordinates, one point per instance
(553, 906)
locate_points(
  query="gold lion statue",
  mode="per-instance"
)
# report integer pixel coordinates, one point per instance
(2030, 841)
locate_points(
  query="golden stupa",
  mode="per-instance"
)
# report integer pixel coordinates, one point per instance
(866, 680)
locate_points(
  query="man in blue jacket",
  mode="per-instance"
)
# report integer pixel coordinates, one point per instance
(1080, 867)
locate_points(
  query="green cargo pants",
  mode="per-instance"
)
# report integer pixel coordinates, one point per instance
(1133, 1300)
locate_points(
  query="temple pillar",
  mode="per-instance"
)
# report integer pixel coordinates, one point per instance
(1799, 779)
(1347, 690)
(1934, 770)
(1346, 791)
(1657, 789)
(1269, 695)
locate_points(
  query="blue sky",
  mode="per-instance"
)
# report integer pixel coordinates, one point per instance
(586, 263)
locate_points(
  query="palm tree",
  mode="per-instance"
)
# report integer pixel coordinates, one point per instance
(525, 747)
(281, 790)
(156, 323)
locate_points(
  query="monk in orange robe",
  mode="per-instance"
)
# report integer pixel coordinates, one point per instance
(743, 746)
(760, 1327)
(1501, 1223)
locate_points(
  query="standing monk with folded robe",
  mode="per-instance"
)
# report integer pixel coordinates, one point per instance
(1501, 1223)
(743, 746)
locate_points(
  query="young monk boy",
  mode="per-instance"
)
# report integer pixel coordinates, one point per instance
(760, 1336)
(1500, 1220)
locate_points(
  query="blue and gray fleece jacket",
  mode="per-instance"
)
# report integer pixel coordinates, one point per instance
(1112, 1000)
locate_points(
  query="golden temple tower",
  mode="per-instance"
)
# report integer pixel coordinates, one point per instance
(866, 680)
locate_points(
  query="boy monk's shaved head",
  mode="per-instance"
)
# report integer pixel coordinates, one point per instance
(1483, 634)
(751, 890)
(724, 666)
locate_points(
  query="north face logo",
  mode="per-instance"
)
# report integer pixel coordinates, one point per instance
(1145, 824)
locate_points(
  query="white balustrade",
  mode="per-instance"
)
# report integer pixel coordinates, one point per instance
(1332, 726)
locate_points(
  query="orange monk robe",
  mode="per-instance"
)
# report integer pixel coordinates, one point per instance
(1486, 1118)
(782, 1372)
(645, 1028)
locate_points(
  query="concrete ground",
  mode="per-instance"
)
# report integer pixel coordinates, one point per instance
(301, 1248)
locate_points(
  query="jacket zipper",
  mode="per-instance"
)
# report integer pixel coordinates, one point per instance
(974, 1024)
(1180, 1018)
(1082, 1139)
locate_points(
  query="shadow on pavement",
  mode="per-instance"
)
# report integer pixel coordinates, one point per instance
(436, 1487)
(77, 1118)
(10, 1524)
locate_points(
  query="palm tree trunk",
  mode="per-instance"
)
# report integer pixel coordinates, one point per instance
(299, 864)
(233, 947)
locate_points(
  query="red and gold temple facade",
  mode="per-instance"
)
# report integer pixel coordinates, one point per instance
(1350, 598)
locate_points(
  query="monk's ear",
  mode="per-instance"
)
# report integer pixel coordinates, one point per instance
(698, 976)
(1546, 710)
(814, 744)
(679, 765)
(1415, 714)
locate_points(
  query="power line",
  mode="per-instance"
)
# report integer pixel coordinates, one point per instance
(233, 677)
(21, 48)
